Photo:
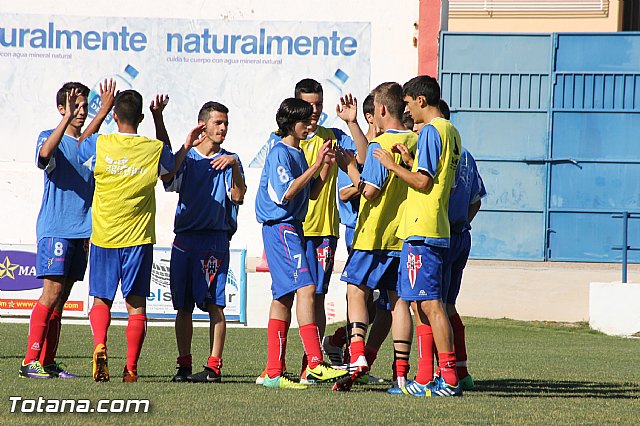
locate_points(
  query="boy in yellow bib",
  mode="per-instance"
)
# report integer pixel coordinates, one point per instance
(126, 167)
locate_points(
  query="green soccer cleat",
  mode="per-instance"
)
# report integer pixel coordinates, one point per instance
(324, 373)
(281, 382)
(466, 383)
(34, 370)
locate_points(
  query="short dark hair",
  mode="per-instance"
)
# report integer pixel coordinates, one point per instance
(423, 85)
(444, 109)
(291, 111)
(390, 95)
(61, 96)
(307, 85)
(407, 120)
(128, 106)
(206, 109)
(367, 105)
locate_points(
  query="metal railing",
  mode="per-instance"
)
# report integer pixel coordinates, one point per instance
(528, 7)
(625, 216)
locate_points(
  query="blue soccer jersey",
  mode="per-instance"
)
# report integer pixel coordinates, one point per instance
(469, 189)
(68, 192)
(282, 166)
(205, 195)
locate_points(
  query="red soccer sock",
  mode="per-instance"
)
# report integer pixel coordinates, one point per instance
(100, 319)
(185, 361)
(339, 338)
(284, 349)
(357, 350)
(448, 367)
(371, 354)
(38, 327)
(215, 364)
(50, 347)
(459, 345)
(276, 344)
(400, 368)
(311, 342)
(136, 331)
(425, 354)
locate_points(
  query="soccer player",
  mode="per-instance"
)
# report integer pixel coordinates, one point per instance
(63, 229)
(464, 204)
(126, 167)
(424, 227)
(206, 218)
(281, 205)
(374, 261)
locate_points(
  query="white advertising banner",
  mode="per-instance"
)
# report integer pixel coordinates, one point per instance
(20, 289)
(250, 66)
(159, 302)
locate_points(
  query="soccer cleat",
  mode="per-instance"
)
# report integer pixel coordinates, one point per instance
(181, 374)
(356, 370)
(100, 365)
(260, 378)
(466, 383)
(281, 382)
(324, 373)
(129, 376)
(398, 384)
(417, 389)
(442, 388)
(368, 379)
(208, 375)
(334, 353)
(33, 370)
(58, 370)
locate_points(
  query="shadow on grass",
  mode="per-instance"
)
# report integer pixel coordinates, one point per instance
(531, 388)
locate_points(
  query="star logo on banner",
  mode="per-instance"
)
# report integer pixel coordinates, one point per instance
(7, 268)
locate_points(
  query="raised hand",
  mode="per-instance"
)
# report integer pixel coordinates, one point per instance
(72, 109)
(195, 137)
(158, 104)
(347, 109)
(385, 157)
(223, 161)
(107, 94)
(404, 152)
(326, 154)
(345, 158)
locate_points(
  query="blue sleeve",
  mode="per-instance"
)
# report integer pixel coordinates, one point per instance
(429, 150)
(373, 173)
(167, 161)
(87, 151)
(51, 164)
(175, 184)
(280, 176)
(228, 176)
(343, 140)
(478, 190)
(344, 181)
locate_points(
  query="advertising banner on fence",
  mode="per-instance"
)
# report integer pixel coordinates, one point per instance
(159, 304)
(249, 66)
(20, 289)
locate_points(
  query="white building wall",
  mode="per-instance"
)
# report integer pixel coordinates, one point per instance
(393, 58)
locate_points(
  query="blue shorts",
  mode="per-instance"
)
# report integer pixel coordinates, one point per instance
(285, 250)
(420, 271)
(62, 257)
(320, 252)
(375, 269)
(349, 233)
(130, 266)
(199, 268)
(453, 263)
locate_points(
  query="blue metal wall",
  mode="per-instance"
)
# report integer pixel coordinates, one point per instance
(554, 123)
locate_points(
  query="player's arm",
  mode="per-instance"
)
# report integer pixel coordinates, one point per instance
(419, 180)
(402, 149)
(157, 107)
(325, 154)
(349, 193)
(318, 183)
(238, 187)
(71, 110)
(107, 98)
(473, 210)
(194, 138)
(347, 110)
(347, 163)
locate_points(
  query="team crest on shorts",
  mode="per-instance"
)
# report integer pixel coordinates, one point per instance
(210, 267)
(324, 255)
(414, 263)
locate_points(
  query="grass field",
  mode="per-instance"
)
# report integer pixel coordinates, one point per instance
(526, 373)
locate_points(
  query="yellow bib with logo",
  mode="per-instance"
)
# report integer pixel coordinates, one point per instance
(124, 201)
(427, 213)
(379, 218)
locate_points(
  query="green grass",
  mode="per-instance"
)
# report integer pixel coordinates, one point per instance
(526, 373)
